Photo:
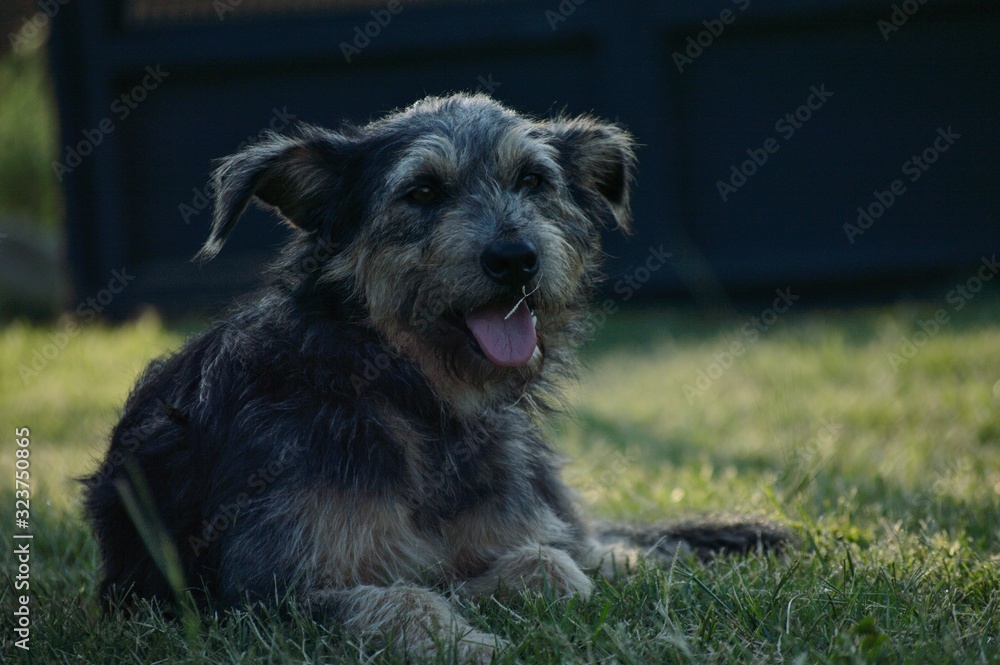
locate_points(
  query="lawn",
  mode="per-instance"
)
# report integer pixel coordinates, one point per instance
(885, 458)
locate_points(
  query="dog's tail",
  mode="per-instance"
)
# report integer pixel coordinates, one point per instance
(706, 537)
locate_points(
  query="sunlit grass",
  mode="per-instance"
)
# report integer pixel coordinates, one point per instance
(70, 402)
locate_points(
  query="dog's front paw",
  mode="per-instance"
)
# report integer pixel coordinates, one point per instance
(535, 568)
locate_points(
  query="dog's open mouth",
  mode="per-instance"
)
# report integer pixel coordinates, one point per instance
(504, 332)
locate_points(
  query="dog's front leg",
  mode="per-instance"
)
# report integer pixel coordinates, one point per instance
(409, 618)
(537, 568)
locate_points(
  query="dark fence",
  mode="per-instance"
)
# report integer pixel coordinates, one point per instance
(820, 144)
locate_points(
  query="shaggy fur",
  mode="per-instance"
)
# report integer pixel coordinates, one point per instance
(342, 437)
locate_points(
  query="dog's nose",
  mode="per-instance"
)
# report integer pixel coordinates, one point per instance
(510, 262)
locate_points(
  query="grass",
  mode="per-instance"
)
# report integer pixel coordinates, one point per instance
(892, 477)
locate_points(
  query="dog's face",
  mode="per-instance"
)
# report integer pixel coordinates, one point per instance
(469, 234)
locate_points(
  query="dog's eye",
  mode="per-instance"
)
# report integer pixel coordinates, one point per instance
(531, 181)
(423, 194)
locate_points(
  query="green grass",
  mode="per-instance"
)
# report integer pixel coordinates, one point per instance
(891, 477)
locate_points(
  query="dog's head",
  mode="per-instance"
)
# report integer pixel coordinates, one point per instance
(468, 234)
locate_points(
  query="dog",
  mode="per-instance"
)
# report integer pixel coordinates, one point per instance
(362, 434)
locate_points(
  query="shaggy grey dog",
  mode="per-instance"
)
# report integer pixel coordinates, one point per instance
(363, 433)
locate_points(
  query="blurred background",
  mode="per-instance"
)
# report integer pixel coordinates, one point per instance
(846, 150)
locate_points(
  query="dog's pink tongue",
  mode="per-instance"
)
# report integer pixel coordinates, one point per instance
(508, 342)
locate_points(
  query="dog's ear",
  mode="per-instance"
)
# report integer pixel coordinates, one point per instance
(295, 175)
(599, 157)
